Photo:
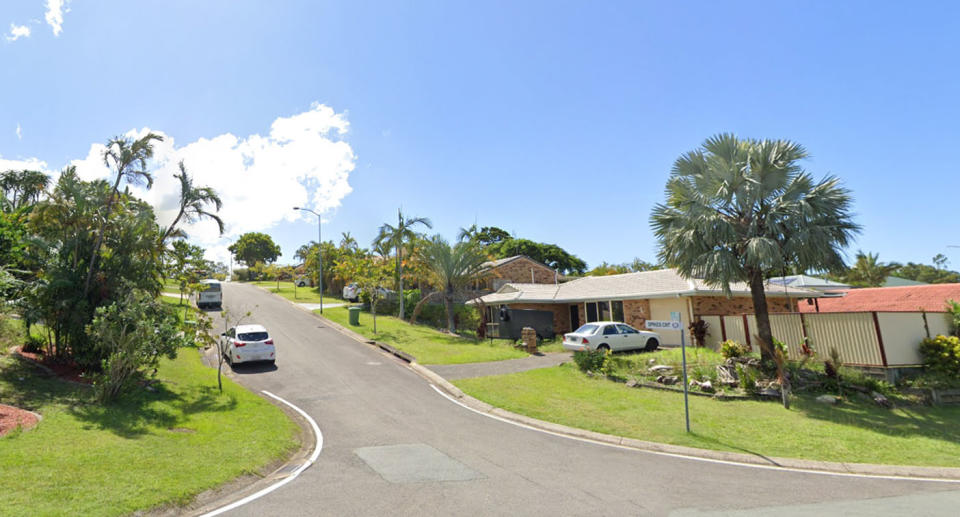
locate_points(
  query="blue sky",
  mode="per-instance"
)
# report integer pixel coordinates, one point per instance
(557, 121)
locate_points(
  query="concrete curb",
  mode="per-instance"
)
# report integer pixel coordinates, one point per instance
(861, 469)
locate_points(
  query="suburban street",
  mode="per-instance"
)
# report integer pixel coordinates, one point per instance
(392, 445)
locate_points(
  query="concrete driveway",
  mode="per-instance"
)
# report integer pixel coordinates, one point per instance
(394, 446)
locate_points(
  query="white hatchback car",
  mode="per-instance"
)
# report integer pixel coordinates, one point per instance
(245, 343)
(610, 335)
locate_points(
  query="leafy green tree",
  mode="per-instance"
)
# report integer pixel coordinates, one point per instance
(397, 237)
(128, 159)
(185, 261)
(370, 274)
(132, 334)
(928, 274)
(552, 255)
(868, 271)
(738, 209)
(194, 202)
(452, 268)
(254, 247)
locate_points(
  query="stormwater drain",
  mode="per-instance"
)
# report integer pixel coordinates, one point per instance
(414, 463)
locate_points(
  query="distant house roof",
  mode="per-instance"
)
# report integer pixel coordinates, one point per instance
(808, 282)
(491, 264)
(930, 298)
(895, 281)
(662, 283)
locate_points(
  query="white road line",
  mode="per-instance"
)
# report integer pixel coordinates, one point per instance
(284, 481)
(683, 456)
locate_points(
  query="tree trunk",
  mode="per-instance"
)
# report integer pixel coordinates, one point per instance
(448, 301)
(99, 242)
(764, 333)
(373, 309)
(400, 271)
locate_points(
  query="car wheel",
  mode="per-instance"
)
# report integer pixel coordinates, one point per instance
(652, 344)
(603, 348)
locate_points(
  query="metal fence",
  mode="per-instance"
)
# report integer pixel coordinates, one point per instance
(875, 339)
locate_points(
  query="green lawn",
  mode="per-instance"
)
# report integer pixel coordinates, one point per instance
(854, 431)
(151, 449)
(428, 345)
(171, 286)
(298, 294)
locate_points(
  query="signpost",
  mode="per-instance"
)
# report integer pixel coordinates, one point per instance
(676, 323)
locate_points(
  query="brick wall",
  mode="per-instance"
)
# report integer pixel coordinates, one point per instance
(721, 305)
(518, 270)
(636, 312)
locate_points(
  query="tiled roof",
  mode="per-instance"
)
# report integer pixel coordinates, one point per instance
(930, 298)
(648, 284)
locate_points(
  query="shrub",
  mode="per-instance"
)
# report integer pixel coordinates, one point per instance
(941, 354)
(730, 349)
(748, 377)
(953, 307)
(34, 344)
(590, 360)
(132, 333)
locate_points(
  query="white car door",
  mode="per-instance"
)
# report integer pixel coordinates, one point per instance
(612, 337)
(632, 339)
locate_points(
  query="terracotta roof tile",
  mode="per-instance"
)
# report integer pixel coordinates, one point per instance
(930, 298)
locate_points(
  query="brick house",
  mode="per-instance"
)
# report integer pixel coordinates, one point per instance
(634, 298)
(516, 269)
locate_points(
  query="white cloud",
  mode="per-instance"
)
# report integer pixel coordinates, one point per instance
(32, 164)
(54, 15)
(19, 132)
(301, 162)
(17, 32)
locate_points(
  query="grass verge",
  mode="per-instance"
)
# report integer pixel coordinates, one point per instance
(855, 431)
(150, 449)
(428, 345)
(297, 294)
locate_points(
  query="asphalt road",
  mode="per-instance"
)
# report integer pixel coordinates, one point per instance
(394, 446)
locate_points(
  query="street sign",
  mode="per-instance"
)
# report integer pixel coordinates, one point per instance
(664, 325)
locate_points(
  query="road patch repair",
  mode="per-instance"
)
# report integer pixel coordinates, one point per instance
(414, 463)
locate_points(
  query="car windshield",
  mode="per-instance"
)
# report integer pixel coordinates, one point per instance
(212, 288)
(589, 328)
(252, 336)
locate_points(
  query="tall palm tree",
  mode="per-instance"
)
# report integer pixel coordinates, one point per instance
(347, 242)
(396, 237)
(739, 209)
(22, 188)
(128, 158)
(452, 268)
(868, 271)
(193, 204)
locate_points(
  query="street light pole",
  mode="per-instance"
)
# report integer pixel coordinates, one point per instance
(319, 253)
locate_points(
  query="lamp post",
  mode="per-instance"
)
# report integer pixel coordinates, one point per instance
(319, 253)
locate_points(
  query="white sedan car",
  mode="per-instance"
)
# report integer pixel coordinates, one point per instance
(610, 335)
(245, 343)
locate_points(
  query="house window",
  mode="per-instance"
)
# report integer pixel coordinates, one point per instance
(599, 311)
(617, 310)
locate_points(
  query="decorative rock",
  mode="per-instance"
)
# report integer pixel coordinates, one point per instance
(706, 387)
(668, 380)
(769, 392)
(828, 399)
(727, 375)
(661, 368)
(881, 400)
(652, 361)
(632, 383)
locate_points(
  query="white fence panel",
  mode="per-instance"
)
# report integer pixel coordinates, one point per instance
(902, 333)
(714, 332)
(789, 329)
(734, 328)
(854, 335)
(939, 323)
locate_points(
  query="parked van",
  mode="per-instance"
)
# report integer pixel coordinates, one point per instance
(212, 296)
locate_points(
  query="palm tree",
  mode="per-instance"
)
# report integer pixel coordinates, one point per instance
(347, 242)
(22, 188)
(868, 271)
(129, 159)
(737, 210)
(468, 234)
(395, 237)
(193, 204)
(452, 268)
